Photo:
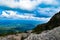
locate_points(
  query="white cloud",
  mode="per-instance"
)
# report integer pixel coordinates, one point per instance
(22, 4)
(26, 4)
(14, 15)
(51, 2)
(4, 14)
(48, 11)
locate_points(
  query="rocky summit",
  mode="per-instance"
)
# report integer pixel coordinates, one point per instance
(47, 31)
(49, 35)
(52, 23)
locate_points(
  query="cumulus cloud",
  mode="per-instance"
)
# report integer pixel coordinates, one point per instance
(48, 11)
(50, 2)
(26, 4)
(22, 4)
(14, 15)
(29, 5)
(4, 14)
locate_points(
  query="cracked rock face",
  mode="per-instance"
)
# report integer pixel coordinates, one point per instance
(50, 35)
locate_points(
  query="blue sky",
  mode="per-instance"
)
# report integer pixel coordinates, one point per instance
(38, 10)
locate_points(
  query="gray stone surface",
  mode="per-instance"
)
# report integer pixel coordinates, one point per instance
(45, 35)
(50, 35)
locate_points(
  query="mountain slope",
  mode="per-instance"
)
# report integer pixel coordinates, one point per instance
(53, 34)
(54, 22)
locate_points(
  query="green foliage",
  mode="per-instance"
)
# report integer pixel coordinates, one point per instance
(10, 31)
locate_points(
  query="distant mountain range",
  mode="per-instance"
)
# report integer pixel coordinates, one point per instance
(21, 25)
